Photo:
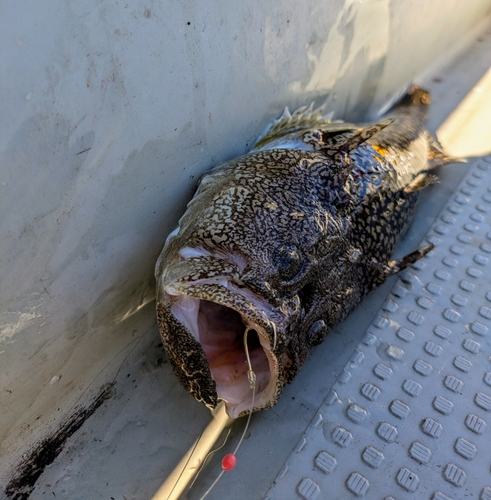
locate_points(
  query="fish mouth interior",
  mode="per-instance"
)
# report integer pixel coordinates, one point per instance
(220, 331)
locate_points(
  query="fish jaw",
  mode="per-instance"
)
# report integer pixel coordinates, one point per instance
(202, 324)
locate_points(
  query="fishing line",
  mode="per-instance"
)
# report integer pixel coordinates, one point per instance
(229, 461)
(208, 456)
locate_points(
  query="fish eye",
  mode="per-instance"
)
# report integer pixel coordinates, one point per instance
(287, 261)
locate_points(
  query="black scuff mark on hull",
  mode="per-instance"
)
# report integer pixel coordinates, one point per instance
(45, 452)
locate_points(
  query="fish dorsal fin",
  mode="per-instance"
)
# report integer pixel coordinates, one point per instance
(288, 123)
(358, 139)
(337, 142)
(339, 152)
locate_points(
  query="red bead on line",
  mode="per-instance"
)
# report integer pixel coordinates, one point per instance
(228, 462)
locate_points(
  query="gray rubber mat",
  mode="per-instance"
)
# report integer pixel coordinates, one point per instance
(409, 416)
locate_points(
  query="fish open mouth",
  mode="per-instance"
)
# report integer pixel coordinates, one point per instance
(219, 326)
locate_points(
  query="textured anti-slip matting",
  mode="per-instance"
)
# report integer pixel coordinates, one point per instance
(410, 415)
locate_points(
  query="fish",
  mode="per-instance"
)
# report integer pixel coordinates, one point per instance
(285, 241)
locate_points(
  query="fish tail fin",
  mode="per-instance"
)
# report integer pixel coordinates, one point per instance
(415, 95)
(409, 96)
(436, 156)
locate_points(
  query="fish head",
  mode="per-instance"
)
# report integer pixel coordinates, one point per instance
(203, 311)
(238, 261)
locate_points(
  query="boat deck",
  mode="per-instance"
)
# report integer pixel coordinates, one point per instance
(396, 400)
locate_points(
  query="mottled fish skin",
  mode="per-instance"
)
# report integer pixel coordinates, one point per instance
(287, 240)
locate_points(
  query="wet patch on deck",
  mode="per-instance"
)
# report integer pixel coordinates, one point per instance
(45, 452)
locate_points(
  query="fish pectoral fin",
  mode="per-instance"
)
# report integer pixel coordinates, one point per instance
(420, 182)
(438, 157)
(394, 266)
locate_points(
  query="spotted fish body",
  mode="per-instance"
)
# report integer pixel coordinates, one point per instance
(287, 240)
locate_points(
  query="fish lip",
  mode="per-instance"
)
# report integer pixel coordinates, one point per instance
(256, 313)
